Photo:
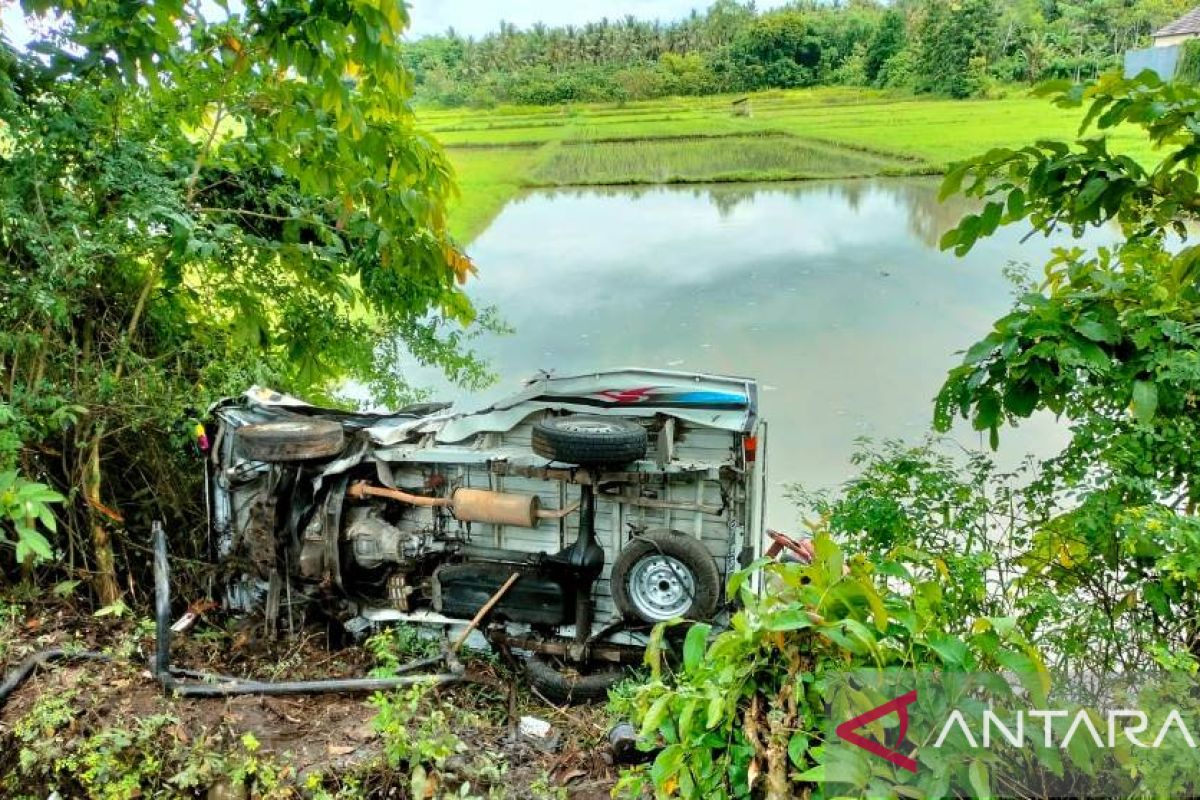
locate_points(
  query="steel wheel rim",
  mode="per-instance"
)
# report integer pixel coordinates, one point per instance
(661, 587)
(589, 426)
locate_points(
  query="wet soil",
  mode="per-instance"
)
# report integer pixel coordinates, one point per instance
(327, 734)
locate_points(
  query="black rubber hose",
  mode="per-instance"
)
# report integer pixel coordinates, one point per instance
(162, 609)
(27, 667)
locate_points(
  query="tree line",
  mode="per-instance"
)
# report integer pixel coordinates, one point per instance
(959, 49)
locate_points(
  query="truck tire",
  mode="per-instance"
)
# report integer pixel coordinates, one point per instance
(589, 441)
(299, 439)
(665, 574)
(563, 685)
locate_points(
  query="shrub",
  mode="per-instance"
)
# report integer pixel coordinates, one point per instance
(742, 714)
(898, 72)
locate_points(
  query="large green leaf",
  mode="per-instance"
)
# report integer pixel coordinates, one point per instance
(694, 644)
(977, 775)
(1145, 400)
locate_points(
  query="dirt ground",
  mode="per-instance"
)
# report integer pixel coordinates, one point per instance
(327, 734)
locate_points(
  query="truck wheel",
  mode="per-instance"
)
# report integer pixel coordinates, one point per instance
(589, 441)
(665, 574)
(563, 684)
(290, 440)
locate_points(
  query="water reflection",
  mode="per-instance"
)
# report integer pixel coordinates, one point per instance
(832, 294)
(927, 217)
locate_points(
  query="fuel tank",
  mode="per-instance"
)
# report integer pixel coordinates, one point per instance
(460, 590)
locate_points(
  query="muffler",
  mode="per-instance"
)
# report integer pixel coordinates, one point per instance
(481, 505)
(473, 505)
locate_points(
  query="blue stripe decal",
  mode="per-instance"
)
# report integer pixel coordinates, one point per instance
(710, 398)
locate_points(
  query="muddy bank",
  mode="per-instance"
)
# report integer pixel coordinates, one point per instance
(71, 725)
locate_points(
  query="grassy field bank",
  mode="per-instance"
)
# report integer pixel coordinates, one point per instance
(790, 135)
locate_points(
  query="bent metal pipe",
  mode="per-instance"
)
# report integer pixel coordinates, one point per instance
(472, 505)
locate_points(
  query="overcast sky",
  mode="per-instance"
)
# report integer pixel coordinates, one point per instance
(477, 17)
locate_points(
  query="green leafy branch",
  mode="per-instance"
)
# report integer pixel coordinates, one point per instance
(24, 506)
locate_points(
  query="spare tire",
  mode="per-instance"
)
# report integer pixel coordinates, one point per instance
(562, 684)
(664, 574)
(299, 439)
(589, 441)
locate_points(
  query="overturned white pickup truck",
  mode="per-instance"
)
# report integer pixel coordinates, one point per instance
(566, 520)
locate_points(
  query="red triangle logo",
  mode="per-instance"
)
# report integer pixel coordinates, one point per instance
(847, 730)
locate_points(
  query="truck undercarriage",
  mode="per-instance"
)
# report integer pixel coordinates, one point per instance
(560, 524)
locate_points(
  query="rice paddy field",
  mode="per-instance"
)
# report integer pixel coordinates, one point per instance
(788, 135)
(705, 159)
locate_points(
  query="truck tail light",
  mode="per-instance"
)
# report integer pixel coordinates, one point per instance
(750, 448)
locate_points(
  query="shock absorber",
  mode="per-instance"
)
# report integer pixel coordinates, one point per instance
(587, 558)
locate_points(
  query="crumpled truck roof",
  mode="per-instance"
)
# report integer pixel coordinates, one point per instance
(713, 401)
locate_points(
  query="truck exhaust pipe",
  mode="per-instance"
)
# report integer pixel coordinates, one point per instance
(472, 505)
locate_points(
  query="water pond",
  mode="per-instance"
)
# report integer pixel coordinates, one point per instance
(832, 294)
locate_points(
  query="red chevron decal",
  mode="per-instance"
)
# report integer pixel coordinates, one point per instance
(900, 705)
